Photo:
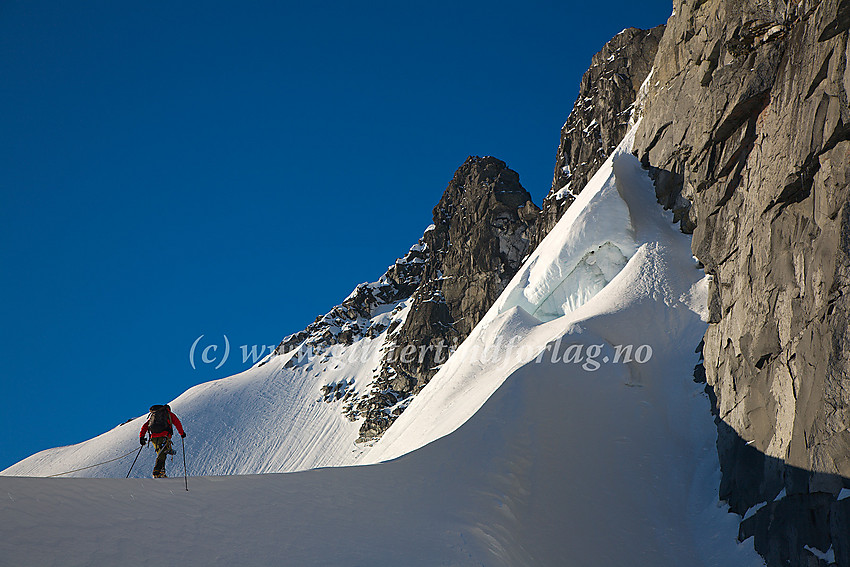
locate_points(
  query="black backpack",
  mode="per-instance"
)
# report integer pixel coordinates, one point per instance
(159, 419)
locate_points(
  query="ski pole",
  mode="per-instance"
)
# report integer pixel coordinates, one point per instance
(185, 474)
(134, 461)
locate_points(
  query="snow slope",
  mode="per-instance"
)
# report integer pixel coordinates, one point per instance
(270, 418)
(526, 481)
(509, 457)
(615, 251)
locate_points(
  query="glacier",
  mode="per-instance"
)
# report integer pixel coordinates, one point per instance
(523, 456)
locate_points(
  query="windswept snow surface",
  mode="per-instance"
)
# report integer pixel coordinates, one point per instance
(530, 447)
(614, 265)
(269, 418)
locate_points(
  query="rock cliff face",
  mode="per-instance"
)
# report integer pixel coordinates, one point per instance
(599, 118)
(437, 292)
(745, 126)
(473, 249)
(747, 117)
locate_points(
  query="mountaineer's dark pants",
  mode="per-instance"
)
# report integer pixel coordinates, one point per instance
(162, 445)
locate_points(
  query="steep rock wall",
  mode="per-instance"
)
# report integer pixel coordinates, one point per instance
(598, 120)
(747, 117)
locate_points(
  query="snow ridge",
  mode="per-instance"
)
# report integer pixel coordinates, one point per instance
(294, 410)
(520, 454)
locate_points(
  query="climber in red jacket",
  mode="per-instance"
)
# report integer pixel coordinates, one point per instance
(159, 424)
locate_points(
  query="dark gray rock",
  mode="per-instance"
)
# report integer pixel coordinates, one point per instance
(746, 116)
(803, 519)
(350, 320)
(839, 525)
(479, 238)
(599, 118)
(449, 279)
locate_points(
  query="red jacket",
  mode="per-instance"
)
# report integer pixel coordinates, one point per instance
(165, 433)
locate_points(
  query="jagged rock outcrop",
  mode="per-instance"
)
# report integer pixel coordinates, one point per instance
(484, 225)
(473, 249)
(747, 117)
(352, 318)
(599, 118)
(437, 293)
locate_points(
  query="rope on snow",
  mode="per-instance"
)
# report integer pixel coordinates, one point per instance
(92, 466)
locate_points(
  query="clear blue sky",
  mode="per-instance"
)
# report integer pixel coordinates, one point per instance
(184, 168)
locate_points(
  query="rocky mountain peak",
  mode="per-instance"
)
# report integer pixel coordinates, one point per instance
(475, 246)
(432, 297)
(599, 118)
